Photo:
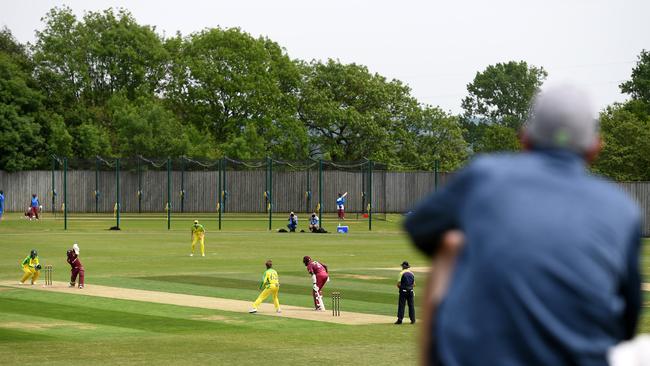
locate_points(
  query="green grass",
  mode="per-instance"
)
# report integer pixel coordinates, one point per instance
(61, 328)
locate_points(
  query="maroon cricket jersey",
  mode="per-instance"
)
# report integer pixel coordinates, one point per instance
(74, 261)
(315, 268)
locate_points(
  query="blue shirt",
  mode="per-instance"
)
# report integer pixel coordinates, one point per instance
(340, 202)
(293, 221)
(549, 273)
(35, 202)
(2, 202)
(313, 220)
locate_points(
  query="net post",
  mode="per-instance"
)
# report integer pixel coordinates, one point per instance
(219, 200)
(320, 192)
(139, 186)
(370, 166)
(65, 193)
(435, 175)
(169, 193)
(117, 193)
(224, 195)
(270, 191)
(96, 184)
(53, 187)
(182, 193)
(308, 191)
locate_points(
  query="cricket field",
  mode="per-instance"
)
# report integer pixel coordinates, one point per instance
(147, 301)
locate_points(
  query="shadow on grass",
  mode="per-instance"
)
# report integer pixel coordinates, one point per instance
(233, 283)
(14, 335)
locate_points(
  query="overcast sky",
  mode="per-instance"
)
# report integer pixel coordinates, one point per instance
(436, 47)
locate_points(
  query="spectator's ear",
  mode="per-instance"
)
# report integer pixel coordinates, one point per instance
(592, 153)
(524, 141)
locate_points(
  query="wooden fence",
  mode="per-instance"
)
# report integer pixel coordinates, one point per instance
(392, 192)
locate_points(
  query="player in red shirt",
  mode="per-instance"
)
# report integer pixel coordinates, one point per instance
(319, 277)
(77, 267)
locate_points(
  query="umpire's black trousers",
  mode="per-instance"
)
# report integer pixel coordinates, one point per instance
(405, 296)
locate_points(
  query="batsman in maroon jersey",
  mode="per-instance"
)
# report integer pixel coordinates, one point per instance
(319, 277)
(76, 267)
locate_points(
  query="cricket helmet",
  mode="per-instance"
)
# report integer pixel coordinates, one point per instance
(33, 253)
(196, 222)
(306, 259)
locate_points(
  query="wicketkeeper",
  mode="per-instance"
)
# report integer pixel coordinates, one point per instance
(77, 269)
(319, 277)
(31, 267)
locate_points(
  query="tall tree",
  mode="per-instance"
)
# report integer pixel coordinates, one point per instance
(235, 86)
(639, 85)
(353, 114)
(501, 94)
(86, 61)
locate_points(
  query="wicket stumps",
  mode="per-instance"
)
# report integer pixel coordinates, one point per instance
(336, 303)
(49, 271)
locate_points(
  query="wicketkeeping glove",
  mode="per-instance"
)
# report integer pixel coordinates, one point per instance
(38, 267)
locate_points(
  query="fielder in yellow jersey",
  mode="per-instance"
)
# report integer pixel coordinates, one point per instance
(271, 286)
(31, 267)
(198, 235)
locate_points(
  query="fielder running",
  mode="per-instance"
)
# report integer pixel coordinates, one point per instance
(319, 277)
(76, 267)
(271, 286)
(31, 267)
(198, 234)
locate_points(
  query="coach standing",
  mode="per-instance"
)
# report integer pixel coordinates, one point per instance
(542, 258)
(405, 284)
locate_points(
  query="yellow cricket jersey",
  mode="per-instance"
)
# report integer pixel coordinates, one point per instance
(198, 229)
(29, 261)
(270, 277)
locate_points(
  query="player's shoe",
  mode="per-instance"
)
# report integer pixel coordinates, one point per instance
(203, 255)
(412, 321)
(191, 254)
(278, 311)
(72, 284)
(252, 311)
(398, 322)
(81, 287)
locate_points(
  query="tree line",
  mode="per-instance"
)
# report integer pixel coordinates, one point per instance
(102, 84)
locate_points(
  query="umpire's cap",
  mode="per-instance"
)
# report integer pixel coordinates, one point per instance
(405, 265)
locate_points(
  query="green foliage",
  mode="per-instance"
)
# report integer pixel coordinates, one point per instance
(502, 93)
(438, 136)
(353, 114)
(639, 86)
(625, 130)
(21, 142)
(497, 138)
(239, 88)
(144, 127)
(91, 140)
(498, 103)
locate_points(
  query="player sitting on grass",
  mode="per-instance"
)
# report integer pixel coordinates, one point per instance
(293, 222)
(198, 234)
(76, 267)
(319, 277)
(313, 223)
(271, 286)
(31, 267)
